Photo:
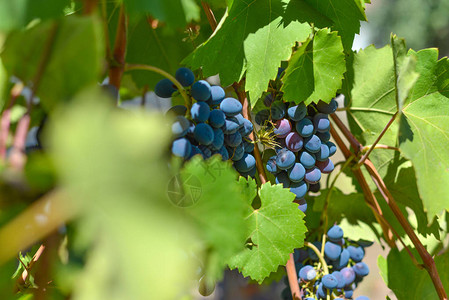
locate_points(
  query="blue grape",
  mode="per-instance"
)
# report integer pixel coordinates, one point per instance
(365, 243)
(262, 116)
(323, 153)
(240, 119)
(323, 136)
(185, 76)
(231, 125)
(231, 106)
(302, 204)
(206, 151)
(300, 255)
(294, 142)
(312, 175)
(249, 147)
(348, 293)
(348, 274)
(282, 178)
(335, 234)
(247, 128)
(343, 260)
(332, 250)
(233, 140)
(246, 163)
(312, 144)
(305, 127)
(200, 112)
(268, 100)
(271, 165)
(321, 122)
(329, 281)
(326, 108)
(177, 110)
(164, 88)
(223, 152)
(195, 151)
(332, 148)
(356, 254)
(216, 118)
(250, 173)
(236, 153)
(326, 166)
(361, 269)
(341, 283)
(307, 273)
(307, 159)
(297, 172)
(297, 112)
(180, 126)
(204, 134)
(218, 140)
(181, 147)
(321, 292)
(315, 187)
(299, 188)
(277, 110)
(217, 94)
(282, 128)
(201, 90)
(362, 298)
(285, 159)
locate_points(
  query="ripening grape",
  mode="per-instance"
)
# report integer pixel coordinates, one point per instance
(294, 142)
(305, 127)
(329, 281)
(312, 144)
(307, 159)
(185, 76)
(296, 173)
(307, 273)
(231, 106)
(332, 250)
(285, 159)
(312, 175)
(246, 163)
(216, 118)
(297, 112)
(201, 90)
(335, 234)
(181, 147)
(277, 110)
(217, 94)
(282, 128)
(204, 134)
(299, 188)
(200, 112)
(164, 88)
(326, 166)
(323, 153)
(326, 108)
(321, 122)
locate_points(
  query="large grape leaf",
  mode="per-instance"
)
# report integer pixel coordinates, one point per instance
(218, 212)
(408, 281)
(316, 70)
(60, 57)
(248, 29)
(274, 230)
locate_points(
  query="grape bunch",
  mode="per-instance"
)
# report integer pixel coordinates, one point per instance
(302, 144)
(344, 259)
(213, 125)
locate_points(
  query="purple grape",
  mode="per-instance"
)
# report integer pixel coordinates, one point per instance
(356, 254)
(340, 279)
(362, 298)
(285, 159)
(299, 188)
(296, 173)
(164, 88)
(321, 122)
(307, 159)
(204, 134)
(217, 94)
(216, 118)
(332, 250)
(282, 128)
(282, 178)
(305, 127)
(312, 144)
(231, 106)
(326, 108)
(325, 166)
(246, 163)
(315, 187)
(335, 234)
(200, 112)
(329, 281)
(277, 110)
(201, 90)
(321, 292)
(361, 269)
(297, 112)
(332, 148)
(185, 76)
(180, 127)
(294, 141)
(348, 274)
(307, 273)
(271, 165)
(343, 260)
(181, 147)
(323, 153)
(302, 204)
(312, 175)
(233, 140)
(250, 173)
(348, 293)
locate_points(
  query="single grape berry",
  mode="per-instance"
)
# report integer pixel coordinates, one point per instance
(216, 118)
(343, 260)
(249, 146)
(200, 112)
(271, 165)
(332, 250)
(277, 110)
(348, 274)
(296, 173)
(297, 112)
(246, 163)
(302, 204)
(247, 128)
(201, 90)
(340, 279)
(231, 106)
(315, 187)
(233, 140)
(307, 273)
(217, 94)
(356, 254)
(361, 269)
(326, 108)
(185, 76)
(329, 281)
(294, 141)
(307, 159)
(313, 175)
(180, 127)
(223, 152)
(231, 125)
(321, 122)
(285, 159)
(204, 134)
(181, 148)
(323, 153)
(299, 188)
(335, 234)
(282, 128)
(323, 136)
(282, 178)
(177, 110)
(218, 140)
(236, 153)
(332, 148)
(305, 127)
(164, 88)
(326, 166)
(312, 144)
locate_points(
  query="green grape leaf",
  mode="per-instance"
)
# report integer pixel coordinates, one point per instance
(175, 13)
(264, 51)
(315, 71)
(274, 230)
(218, 211)
(156, 47)
(245, 32)
(406, 280)
(18, 13)
(73, 47)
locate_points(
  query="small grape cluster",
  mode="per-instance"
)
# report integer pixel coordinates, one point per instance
(215, 124)
(302, 144)
(343, 257)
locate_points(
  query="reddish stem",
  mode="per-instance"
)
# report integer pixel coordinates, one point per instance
(22, 279)
(210, 15)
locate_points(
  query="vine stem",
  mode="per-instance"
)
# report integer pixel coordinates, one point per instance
(428, 261)
(365, 156)
(210, 15)
(116, 66)
(379, 146)
(187, 100)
